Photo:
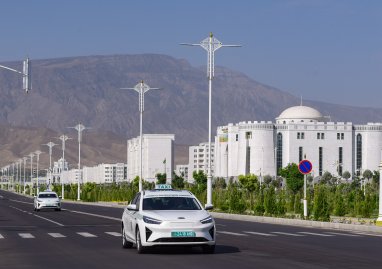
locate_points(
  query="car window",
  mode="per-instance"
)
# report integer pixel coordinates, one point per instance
(133, 202)
(137, 202)
(47, 195)
(170, 203)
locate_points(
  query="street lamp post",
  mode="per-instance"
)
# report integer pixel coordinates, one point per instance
(37, 152)
(50, 145)
(141, 88)
(26, 73)
(20, 163)
(25, 161)
(80, 128)
(31, 155)
(63, 138)
(210, 44)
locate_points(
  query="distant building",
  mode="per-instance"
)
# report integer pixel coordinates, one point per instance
(182, 170)
(157, 156)
(99, 174)
(299, 132)
(198, 159)
(60, 165)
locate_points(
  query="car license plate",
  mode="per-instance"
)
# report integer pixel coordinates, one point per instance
(183, 234)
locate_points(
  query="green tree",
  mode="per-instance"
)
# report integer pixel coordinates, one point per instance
(294, 179)
(326, 178)
(267, 179)
(321, 204)
(161, 178)
(200, 180)
(219, 183)
(346, 175)
(367, 174)
(270, 205)
(251, 184)
(178, 182)
(339, 206)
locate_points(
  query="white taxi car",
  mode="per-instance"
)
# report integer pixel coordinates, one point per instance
(167, 217)
(47, 199)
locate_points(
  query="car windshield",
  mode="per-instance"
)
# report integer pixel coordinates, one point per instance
(170, 203)
(47, 195)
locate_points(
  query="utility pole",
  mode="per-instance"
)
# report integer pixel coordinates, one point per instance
(63, 138)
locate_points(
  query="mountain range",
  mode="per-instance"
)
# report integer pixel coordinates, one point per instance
(86, 89)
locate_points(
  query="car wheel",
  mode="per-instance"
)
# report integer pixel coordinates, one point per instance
(125, 243)
(140, 249)
(208, 249)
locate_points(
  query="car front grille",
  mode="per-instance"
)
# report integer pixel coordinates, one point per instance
(180, 239)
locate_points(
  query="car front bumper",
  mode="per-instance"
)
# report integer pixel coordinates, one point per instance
(162, 234)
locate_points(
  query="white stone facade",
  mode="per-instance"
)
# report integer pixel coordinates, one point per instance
(299, 132)
(157, 156)
(198, 159)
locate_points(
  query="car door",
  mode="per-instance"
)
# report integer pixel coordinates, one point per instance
(134, 215)
(128, 218)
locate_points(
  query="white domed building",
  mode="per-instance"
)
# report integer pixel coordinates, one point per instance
(300, 132)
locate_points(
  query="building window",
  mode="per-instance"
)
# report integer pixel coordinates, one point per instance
(338, 136)
(279, 152)
(248, 135)
(302, 135)
(322, 135)
(342, 136)
(195, 150)
(248, 161)
(359, 154)
(300, 152)
(320, 155)
(340, 152)
(237, 137)
(298, 135)
(318, 136)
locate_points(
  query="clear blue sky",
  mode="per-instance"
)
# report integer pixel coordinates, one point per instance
(324, 50)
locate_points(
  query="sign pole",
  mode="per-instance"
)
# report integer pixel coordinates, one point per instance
(305, 202)
(305, 168)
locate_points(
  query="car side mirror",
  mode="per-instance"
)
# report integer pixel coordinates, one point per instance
(132, 207)
(60, 197)
(208, 207)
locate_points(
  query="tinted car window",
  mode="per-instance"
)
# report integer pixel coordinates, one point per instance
(47, 195)
(170, 203)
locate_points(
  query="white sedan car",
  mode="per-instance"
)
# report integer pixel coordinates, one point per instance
(47, 199)
(167, 217)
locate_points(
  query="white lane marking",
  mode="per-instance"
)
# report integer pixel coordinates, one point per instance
(262, 234)
(56, 235)
(55, 222)
(87, 234)
(356, 235)
(94, 215)
(231, 233)
(18, 201)
(282, 233)
(26, 235)
(361, 233)
(113, 233)
(1, 236)
(317, 234)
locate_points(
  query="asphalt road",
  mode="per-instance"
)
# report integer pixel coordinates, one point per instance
(85, 236)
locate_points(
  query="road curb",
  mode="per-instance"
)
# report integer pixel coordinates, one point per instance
(299, 222)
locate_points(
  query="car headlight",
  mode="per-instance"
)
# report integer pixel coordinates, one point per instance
(40, 201)
(151, 220)
(207, 220)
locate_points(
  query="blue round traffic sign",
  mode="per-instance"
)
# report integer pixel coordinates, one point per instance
(305, 167)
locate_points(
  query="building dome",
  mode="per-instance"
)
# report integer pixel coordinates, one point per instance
(300, 114)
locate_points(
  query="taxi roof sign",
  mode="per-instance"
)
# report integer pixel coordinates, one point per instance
(163, 187)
